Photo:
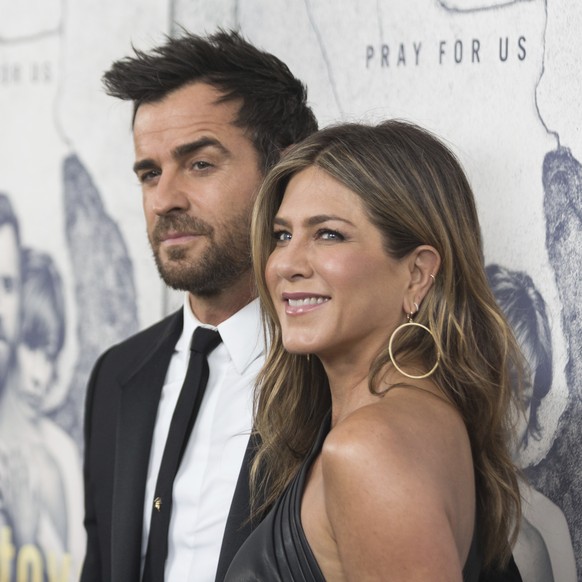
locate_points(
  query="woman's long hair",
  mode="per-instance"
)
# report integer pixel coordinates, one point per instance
(416, 193)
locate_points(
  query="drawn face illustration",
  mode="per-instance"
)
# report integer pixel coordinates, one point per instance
(36, 374)
(199, 174)
(9, 296)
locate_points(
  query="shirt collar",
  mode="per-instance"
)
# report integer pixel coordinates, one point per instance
(241, 333)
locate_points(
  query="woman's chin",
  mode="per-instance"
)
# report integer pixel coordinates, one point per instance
(298, 347)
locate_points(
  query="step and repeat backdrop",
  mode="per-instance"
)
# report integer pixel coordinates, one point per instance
(498, 80)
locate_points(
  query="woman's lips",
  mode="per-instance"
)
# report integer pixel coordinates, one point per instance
(297, 303)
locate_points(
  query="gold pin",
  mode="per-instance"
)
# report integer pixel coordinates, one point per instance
(158, 503)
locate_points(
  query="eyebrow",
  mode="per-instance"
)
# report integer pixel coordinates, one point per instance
(313, 220)
(183, 151)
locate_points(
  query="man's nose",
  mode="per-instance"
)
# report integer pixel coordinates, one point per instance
(170, 193)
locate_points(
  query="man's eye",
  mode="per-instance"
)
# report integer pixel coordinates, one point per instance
(148, 176)
(201, 165)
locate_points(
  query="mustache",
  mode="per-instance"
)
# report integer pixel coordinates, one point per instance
(184, 223)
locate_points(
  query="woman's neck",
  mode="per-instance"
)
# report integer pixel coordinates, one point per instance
(348, 382)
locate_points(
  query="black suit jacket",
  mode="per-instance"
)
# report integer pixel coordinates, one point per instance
(120, 413)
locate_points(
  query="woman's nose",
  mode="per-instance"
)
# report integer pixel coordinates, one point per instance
(291, 261)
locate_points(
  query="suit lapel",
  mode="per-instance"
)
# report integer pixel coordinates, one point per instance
(140, 394)
(238, 526)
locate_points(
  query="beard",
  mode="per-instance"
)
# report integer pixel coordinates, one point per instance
(218, 267)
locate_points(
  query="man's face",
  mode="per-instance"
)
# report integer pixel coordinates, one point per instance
(9, 296)
(199, 174)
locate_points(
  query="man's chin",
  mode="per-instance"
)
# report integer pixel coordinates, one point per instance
(176, 281)
(203, 275)
(174, 272)
(184, 279)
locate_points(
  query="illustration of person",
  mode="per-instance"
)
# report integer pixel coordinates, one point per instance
(544, 539)
(41, 341)
(78, 230)
(10, 275)
(31, 490)
(10, 283)
(40, 475)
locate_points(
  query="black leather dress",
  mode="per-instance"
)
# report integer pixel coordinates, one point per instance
(278, 551)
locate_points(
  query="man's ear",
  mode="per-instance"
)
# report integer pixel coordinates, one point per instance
(425, 262)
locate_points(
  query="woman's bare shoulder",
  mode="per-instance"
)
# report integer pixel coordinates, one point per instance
(405, 424)
(398, 474)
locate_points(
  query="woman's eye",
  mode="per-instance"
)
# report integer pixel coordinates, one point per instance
(326, 234)
(281, 236)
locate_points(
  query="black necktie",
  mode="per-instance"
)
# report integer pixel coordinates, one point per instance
(203, 342)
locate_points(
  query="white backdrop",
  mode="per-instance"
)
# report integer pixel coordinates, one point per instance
(498, 80)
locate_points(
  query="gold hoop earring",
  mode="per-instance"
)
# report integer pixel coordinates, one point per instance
(410, 322)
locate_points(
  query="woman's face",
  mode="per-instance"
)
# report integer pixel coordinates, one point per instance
(334, 287)
(36, 375)
(524, 416)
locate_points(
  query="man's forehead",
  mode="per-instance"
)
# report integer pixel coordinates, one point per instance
(192, 97)
(165, 130)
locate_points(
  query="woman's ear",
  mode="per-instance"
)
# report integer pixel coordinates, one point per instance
(425, 262)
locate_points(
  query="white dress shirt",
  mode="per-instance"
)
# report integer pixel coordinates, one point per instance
(206, 479)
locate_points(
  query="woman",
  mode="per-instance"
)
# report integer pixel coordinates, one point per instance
(388, 352)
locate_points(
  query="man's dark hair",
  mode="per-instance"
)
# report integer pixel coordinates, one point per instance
(273, 102)
(7, 216)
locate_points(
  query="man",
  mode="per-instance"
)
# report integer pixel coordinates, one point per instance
(211, 115)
